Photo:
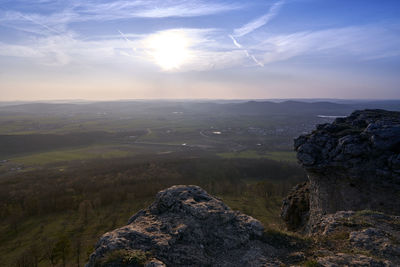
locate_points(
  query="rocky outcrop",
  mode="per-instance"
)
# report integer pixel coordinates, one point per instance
(187, 227)
(353, 164)
(353, 191)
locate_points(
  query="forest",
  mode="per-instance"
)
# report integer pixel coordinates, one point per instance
(53, 217)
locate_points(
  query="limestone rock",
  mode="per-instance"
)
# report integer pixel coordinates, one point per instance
(364, 232)
(349, 260)
(353, 163)
(187, 227)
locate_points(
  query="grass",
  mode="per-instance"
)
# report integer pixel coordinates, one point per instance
(311, 263)
(264, 210)
(252, 154)
(288, 156)
(82, 153)
(124, 257)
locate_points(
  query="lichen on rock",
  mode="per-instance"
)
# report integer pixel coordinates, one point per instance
(185, 226)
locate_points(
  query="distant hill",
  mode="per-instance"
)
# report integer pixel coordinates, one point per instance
(207, 107)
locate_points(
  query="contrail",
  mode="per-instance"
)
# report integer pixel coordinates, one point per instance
(40, 24)
(253, 25)
(259, 22)
(126, 39)
(236, 43)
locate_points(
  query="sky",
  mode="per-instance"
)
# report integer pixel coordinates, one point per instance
(208, 49)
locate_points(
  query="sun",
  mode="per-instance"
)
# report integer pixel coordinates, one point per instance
(169, 49)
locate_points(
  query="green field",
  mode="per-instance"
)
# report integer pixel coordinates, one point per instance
(65, 155)
(251, 154)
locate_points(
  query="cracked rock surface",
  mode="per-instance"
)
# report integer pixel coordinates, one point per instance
(353, 163)
(187, 227)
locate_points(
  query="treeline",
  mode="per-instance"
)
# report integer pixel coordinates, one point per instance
(83, 188)
(104, 182)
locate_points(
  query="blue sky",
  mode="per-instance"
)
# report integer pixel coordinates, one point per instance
(199, 49)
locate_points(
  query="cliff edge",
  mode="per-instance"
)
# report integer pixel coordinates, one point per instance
(353, 164)
(351, 202)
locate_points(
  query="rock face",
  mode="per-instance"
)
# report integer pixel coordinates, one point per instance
(353, 164)
(187, 227)
(353, 168)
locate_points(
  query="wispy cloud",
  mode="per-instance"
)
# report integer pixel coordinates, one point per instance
(80, 11)
(183, 9)
(363, 42)
(208, 49)
(54, 41)
(259, 22)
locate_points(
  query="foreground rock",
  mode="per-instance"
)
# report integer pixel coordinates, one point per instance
(353, 164)
(363, 238)
(186, 227)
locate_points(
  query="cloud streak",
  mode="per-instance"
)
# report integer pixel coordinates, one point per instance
(81, 11)
(363, 42)
(208, 50)
(55, 43)
(40, 24)
(259, 22)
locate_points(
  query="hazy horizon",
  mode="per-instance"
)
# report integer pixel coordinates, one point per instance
(72, 100)
(126, 50)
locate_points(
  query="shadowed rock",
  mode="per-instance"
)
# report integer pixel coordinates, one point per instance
(296, 207)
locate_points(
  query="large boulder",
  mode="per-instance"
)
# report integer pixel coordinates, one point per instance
(186, 227)
(353, 164)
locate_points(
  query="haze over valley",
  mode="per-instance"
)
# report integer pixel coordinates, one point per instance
(199, 133)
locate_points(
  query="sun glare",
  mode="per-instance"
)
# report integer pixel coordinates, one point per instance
(169, 49)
